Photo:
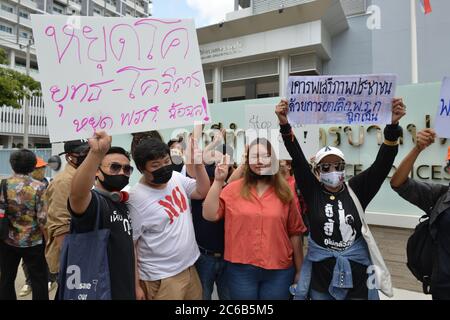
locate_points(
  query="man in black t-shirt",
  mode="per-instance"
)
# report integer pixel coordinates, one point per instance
(109, 167)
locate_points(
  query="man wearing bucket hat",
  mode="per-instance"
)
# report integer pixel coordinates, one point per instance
(434, 200)
(58, 221)
(343, 261)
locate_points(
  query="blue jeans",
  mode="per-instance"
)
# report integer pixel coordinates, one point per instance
(212, 270)
(316, 295)
(247, 282)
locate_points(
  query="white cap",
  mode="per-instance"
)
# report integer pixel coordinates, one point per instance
(327, 151)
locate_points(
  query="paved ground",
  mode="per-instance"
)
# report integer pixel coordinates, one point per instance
(20, 281)
(398, 293)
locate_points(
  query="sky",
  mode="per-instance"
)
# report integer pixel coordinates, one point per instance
(205, 12)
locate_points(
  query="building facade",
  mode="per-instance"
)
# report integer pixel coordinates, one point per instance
(251, 53)
(16, 35)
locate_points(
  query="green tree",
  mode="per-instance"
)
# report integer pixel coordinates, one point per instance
(15, 86)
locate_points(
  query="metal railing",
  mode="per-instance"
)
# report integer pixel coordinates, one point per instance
(12, 120)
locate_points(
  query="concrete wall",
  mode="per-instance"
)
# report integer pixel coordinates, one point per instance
(387, 208)
(351, 50)
(388, 50)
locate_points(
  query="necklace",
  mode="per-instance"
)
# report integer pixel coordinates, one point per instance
(333, 195)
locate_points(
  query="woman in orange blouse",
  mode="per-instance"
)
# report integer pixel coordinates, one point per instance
(263, 226)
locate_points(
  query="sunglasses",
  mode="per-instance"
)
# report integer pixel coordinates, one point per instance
(326, 167)
(115, 168)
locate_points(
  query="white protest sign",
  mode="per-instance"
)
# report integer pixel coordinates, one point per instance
(361, 99)
(263, 120)
(122, 75)
(443, 114)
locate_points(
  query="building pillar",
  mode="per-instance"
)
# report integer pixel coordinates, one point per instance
(10, 142)
(250, 89)
(284, 74)
(217, 84)
(12, 59)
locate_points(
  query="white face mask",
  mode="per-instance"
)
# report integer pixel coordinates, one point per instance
(332, 179)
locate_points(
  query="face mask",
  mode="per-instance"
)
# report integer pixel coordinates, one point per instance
(258, 176)
(38, 175)
(114, 182)
(178, 167)
(177, 157)
(332, 179)
(162, 175)
(78, 160)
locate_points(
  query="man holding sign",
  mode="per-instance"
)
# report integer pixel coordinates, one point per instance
(338, 230)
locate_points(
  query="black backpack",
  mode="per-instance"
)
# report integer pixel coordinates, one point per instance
(420, 251)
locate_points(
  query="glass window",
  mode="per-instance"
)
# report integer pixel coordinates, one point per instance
(57, 10)
(7, 8)
(5, 28)
(24, 14)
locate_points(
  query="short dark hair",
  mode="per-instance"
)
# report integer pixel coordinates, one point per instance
(119, 150)
(141, 136)
(23, 161)
(148, 150)
(177, 140)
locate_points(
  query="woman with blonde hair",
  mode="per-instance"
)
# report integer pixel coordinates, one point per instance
(263, 225)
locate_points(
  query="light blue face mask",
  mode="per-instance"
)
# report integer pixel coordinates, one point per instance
(332, 179)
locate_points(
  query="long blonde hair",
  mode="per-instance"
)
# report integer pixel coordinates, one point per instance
(277, 181)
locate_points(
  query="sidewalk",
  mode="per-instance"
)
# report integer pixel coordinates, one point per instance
(400, 294)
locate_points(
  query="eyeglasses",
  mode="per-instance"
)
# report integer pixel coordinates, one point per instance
(326, 167)
(115, 168)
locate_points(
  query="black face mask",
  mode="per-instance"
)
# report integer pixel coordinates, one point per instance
(178, 167)
(114, 182)
(78, 160)
(162, 175)
(258, 176)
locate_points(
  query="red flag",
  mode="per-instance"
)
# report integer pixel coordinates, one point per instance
(426, 6)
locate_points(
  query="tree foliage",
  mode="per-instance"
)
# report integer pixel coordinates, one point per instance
(15, 86)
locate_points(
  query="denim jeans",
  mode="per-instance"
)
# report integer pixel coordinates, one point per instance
(212, 270)
(248, 282)
(316, 295)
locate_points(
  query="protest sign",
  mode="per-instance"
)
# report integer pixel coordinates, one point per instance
(122, 75)
(362, 99)
(261, 119)
(443, 114)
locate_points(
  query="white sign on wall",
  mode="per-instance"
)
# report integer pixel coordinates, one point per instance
(121, 75)
(262, 118)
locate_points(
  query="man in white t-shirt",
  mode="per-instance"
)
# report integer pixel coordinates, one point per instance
(163, 232)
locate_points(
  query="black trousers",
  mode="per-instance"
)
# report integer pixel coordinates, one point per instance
(34, 258)
(52, 277)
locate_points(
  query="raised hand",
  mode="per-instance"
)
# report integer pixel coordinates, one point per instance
(221, 171)
(425, 138)
(398, 110)
(100, 143)
(196, 152)
(281, 111)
